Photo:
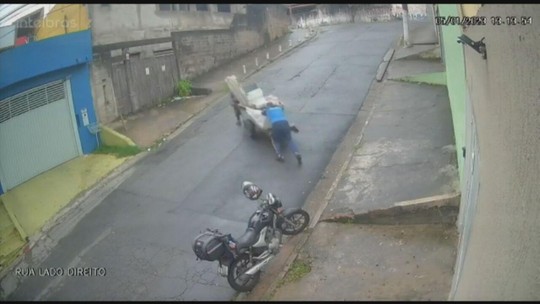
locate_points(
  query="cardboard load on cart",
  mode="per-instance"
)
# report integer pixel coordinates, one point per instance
(237, 90)
(254, 101)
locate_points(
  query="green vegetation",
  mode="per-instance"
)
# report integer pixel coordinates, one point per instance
(184, 88)
(299, 268)
(118, 151)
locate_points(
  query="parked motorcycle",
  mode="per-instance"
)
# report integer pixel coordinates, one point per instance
(241, 259)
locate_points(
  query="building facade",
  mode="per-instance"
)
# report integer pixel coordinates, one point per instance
(495, 108)
(46, 108)
(142, 51)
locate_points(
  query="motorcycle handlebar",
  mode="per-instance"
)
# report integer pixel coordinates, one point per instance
(264, 203)
(222, 236)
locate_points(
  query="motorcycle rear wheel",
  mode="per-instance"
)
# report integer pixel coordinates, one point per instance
(300, 220)
(237, 269)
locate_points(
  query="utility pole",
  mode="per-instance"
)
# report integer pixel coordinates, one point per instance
(434, 23)
(405, 17)
(291, 16)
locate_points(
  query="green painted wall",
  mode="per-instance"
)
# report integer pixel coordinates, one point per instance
(455, 77)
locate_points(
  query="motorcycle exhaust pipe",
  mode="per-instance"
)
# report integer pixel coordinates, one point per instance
(258, 267)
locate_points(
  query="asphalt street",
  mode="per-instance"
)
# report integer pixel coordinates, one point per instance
(141, 234)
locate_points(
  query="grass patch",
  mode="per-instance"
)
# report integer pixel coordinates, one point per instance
(299, 268)
(184, 87)
(118, 151)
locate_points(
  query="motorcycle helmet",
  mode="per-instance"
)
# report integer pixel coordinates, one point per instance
(251, 191)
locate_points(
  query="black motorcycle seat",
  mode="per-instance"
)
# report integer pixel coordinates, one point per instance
(247, 239)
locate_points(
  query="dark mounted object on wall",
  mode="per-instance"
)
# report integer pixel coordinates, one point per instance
(478, 46)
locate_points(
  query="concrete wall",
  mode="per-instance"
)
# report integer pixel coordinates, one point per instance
(470, 10)
(156, 39)
(277, 21)
(110, 137)
(61, 57)
(123, 87)
(201, 51)
(114, 23)
(413, 9)
(501, 258)
(455, 78)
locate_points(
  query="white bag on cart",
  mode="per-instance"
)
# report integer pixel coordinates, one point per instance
(253, 101)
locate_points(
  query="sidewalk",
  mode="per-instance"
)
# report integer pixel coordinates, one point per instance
(399, 167)
(61, 194)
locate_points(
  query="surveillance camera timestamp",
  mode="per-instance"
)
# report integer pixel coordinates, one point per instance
(511, 20)
(482, 20)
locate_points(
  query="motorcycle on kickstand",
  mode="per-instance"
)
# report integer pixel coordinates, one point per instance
(241, 259)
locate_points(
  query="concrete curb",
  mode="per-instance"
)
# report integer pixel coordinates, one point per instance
(439, 209)
(384, 65)
(423, 55)
(415, 79)
(110, 137)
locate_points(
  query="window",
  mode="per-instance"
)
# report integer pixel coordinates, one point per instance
(182, 7)
(135, 55)
(26, 26)
(165, 7)
(224, 8)
(173, 7)
(202, 7)
(164, 52)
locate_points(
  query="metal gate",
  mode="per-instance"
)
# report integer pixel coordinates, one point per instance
(121, 89)
(37, 132)
(144, 82)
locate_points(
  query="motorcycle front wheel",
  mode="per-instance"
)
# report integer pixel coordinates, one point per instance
(295, 222)
(237, 278)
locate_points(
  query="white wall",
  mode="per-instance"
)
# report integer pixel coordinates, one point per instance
(501, 258)
(126, 22)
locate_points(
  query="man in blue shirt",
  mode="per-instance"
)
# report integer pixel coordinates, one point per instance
(281, 131)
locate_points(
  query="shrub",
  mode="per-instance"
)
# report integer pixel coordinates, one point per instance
(184, 88)
(120, 152)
